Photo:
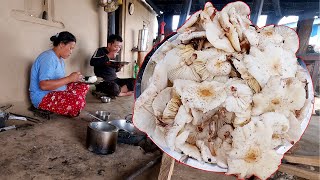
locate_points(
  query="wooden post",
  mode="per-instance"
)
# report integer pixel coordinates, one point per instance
(166, 169)
(304, 28)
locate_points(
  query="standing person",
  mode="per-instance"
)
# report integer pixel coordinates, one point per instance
(49, 88)
(104, 68)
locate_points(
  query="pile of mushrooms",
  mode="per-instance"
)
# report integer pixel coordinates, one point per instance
(226, 93)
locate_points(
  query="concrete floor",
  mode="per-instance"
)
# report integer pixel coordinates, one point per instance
(55, 149)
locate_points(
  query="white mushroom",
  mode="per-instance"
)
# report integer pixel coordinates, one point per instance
(252, 153)
(205, 152)
(200, 117)
(234, 19)
(279, 125)
(187, 36)
(270, 62)
(267, 35)
(180, 120)
(305, 110)
(160, 101)
(239, 97)
(160, 78)
(220, 149)
(171, 109)
(143, 117)
(225, 132)
(242, 118)
(280, 95)
(186, 148)
(294, 133)
(302, 74)
(240, 66)
(158, 137)
(190, 22)
(252, 36)
(218, 65)
(178, 64)
(204, 96)
(283, 36)
(221, 79)
(215, 33)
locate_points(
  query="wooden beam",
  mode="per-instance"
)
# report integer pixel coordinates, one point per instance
(276, 6)
(166, 168)
(185, 12)
(304, 28)
(300, 172)
(315, 75)
(300, 159)
(154, 6)
(256, 10)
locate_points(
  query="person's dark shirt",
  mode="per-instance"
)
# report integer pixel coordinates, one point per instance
(101, 68)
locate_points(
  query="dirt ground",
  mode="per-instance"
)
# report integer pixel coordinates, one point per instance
(55, 149)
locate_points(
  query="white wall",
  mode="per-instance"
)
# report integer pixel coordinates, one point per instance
(21, 42)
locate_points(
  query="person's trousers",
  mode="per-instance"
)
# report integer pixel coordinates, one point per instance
(113, 88)
(69, 102)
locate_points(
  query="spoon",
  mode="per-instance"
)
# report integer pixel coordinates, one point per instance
(95, 117)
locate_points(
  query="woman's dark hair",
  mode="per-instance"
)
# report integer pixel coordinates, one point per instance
(113, 37)
(63, 37)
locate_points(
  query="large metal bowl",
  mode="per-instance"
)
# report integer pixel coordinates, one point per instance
(142, 82)
(125, 125)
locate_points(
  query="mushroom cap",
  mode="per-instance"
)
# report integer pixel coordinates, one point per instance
(190, 22)
(205, 152)
(280, 95)
(272, 61)
(180, 120)
(160, 101)
(218, 66)
(239, 97)
(277, 121)
(204, 96)
(215, 35)
(144, 119)
(252, 153)
(290, 38)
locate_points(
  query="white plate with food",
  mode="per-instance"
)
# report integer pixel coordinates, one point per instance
(225, 102)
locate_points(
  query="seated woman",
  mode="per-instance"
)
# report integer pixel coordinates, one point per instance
(49, 88)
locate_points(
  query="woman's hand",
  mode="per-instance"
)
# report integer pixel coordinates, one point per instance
(75, 77)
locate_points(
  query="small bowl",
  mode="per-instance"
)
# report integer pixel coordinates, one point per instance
(105, 99)
(104, 115)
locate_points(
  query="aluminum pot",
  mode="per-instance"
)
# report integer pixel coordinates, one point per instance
(102, 137)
